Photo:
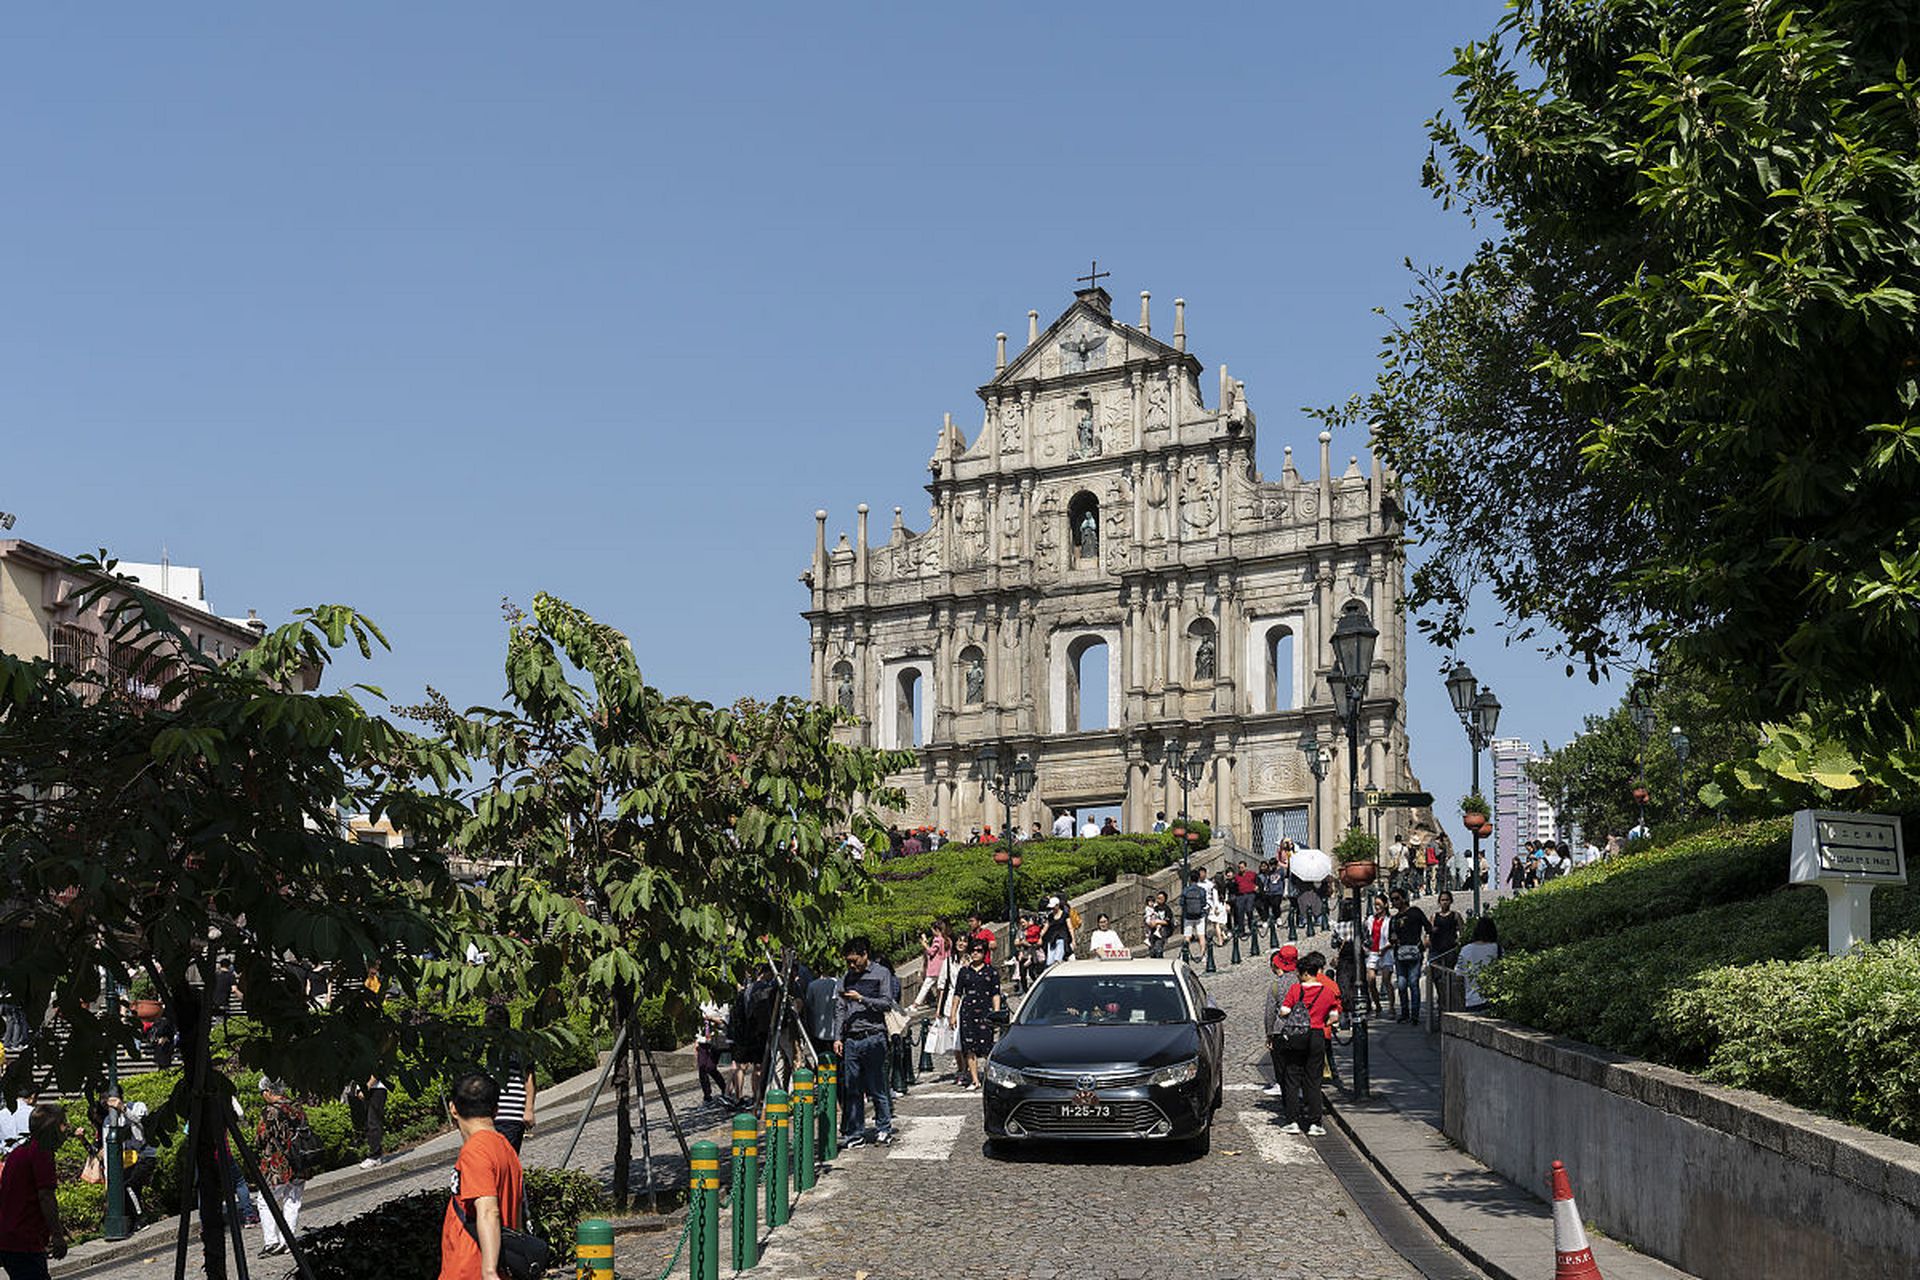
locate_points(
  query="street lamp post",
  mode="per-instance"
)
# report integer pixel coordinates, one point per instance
(1353, 639)
(1640, 706)
(1011, 788)
(1184, 767)
(1682, 747)
(1319, 756)
(1479, 713)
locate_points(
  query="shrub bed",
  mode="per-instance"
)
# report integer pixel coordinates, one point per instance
(1721, 864)
(1626, 956)
(400, 1240)
(960, 879)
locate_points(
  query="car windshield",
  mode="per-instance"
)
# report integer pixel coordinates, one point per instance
(1088, 999)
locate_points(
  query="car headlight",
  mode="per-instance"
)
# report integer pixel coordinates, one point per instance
(1178, 1073)
(1005, 1077)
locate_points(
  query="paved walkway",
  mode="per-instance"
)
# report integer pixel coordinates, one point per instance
(1506, 1229)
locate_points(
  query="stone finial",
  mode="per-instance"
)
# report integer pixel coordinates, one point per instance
(1033, 327)
(1226, 391)
(1179, 324)
(1353, 464)
(999, 352)
(820, 542)
(898, 522)
(1146, 317)
(860, 519)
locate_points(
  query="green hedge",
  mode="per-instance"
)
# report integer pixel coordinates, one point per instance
(1723, 864)
(1626, 956)
(400, 1240)
(1839, 1036)
(911, 892)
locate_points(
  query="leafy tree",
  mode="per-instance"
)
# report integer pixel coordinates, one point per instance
(145, 831)
(661, 845)
(1670, 405)
(1590, 780)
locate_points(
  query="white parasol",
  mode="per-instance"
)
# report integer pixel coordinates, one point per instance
(1311, 865)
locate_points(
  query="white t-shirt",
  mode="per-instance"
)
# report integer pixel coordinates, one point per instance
(1063, 825)
(13, 1126)
(1089, 829)
(1475, 955)
(1104, 940)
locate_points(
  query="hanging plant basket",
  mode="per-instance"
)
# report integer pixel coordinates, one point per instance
(1358, 875)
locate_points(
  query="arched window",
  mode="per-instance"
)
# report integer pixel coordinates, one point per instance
(906, 715)
(973, 676)
(1083, 530)
(1203, 652)
(1279, 655)
(1087, 684)
(842, 690)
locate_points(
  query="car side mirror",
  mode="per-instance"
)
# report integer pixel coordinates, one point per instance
(1000, 1017)
(1212, 1014)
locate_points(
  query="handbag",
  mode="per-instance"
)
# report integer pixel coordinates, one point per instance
(94, 1170)
(1407, 956)
(940, 1037)
(523, 1255)
(897, 1022)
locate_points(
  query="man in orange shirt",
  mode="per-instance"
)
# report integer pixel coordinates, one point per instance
(486, 1185)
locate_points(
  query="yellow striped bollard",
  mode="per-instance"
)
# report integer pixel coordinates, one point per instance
(803, 1130)
(593, 1250)
(746, 1204)
(703, 1214)
(779, 1133)
(829, 1109)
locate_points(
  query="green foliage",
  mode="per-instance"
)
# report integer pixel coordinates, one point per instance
(1698, 955)
(1357, 845)
(912, 892)
(1474, 802)
(1839, 1036)
(400, 1240)
(1714, 866)
(1680, 368)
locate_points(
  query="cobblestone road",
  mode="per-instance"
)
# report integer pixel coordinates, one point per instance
(1261, 1204)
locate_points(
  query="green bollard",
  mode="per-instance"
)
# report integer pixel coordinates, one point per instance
(926, 1058)
(779, 1132)
(830, 1110)
(1211, 948)
(803, 1130)
(703, 1231)
(746, 1187)
(1235, 957)
(1273, 930)
(593, 1250)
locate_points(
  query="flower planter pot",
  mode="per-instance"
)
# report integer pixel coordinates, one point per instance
(1358, 875)
(146, 1010)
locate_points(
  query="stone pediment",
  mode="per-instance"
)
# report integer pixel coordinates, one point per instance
(1085, 339)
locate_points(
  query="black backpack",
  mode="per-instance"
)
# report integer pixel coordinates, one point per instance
(1193, 901)
(306, 1154)
(1296, 1028)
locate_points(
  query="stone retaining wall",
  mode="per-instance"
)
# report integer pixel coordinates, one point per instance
(1720, 1182)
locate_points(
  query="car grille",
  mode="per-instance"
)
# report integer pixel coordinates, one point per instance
(1070, 1077)
(1043, 1119)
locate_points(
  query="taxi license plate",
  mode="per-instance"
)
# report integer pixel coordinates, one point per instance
(1086, 1111)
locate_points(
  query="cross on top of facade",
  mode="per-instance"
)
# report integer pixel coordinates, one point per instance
(1094, 275)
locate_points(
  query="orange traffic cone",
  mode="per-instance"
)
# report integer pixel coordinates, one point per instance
(1572, 1255)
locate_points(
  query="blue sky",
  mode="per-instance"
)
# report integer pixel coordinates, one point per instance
(417, 307)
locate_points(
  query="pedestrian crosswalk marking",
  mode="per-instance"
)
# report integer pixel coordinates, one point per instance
(926, 1137)
(1276, 1145)
(947, 1096)
(1242, 1087)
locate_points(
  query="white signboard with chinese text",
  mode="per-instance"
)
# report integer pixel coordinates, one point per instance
(1847, 854)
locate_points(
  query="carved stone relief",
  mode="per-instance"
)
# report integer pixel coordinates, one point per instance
(1198, 505)
(1046, 537)
(972, 539)
(1010, 428)
(1278, 775)
(1156, 415)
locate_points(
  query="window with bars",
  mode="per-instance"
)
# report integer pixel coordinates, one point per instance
(140, 674)
(74, 647)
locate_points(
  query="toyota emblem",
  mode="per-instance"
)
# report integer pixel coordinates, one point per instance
(1084, 1084)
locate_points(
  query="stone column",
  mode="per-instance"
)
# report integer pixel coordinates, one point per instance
(1223, 796)
(1325, 531)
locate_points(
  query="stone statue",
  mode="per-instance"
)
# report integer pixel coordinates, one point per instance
(1089, 534)
(1088, 439)
(844, 694)
(976, 679)
(1203, 658)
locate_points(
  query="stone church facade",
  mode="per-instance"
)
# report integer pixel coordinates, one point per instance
(1107, 531)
